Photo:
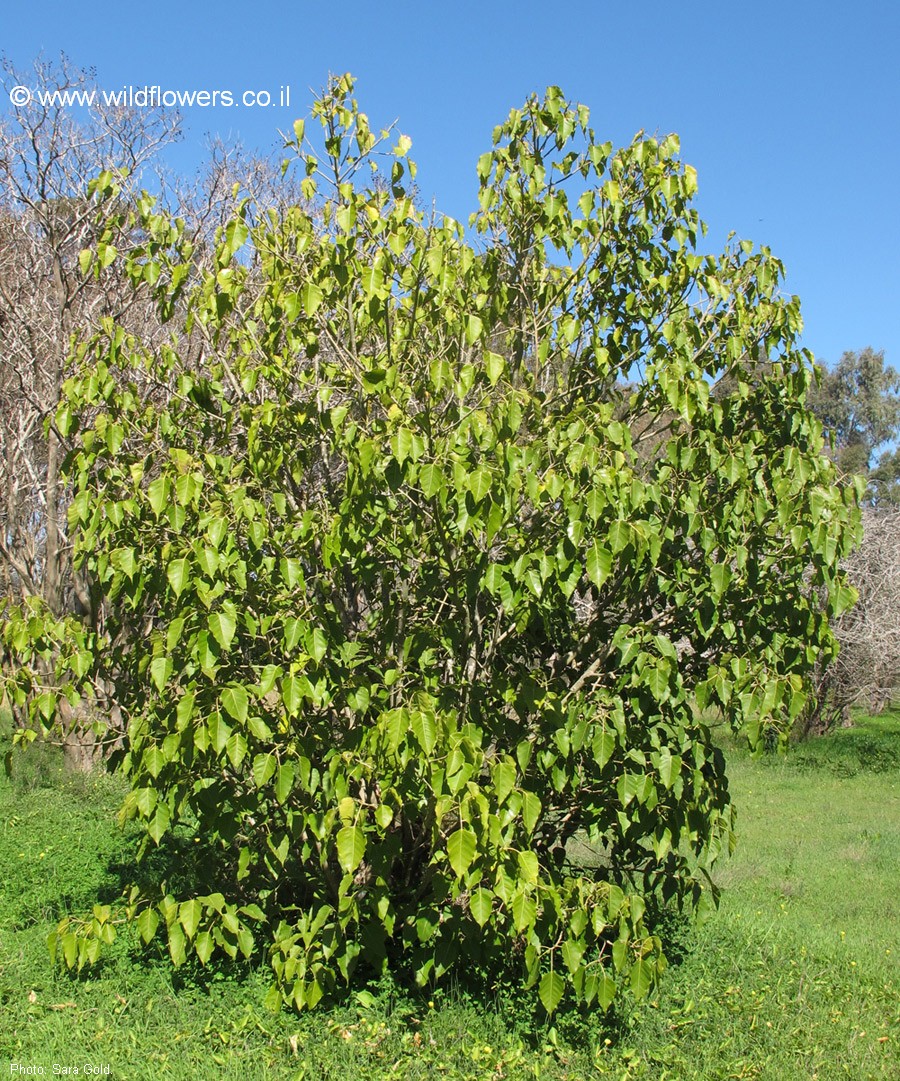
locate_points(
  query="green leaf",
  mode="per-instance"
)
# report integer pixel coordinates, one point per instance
(461, 848)
(572, 953)
(474, 328)
(603, 746)
(351, 847)
(189, 913)
(606, 991)
(423, 727)
(284, 781)
(235, 702)
(185, 710)
(551, 990)
(528, 866)
(619, 535)
(494, 365)
(158, 495)
(153, 761)
(147, 923)
(372, 281)
(393, 725)
(263, 769)
(642, 976)
(260, 729)
(598, 564)
(657, 680)
(480, 904)
(311, 297)
(401, 444)
(218, 731)
(504, 778)
(245, 941)
(719, 576)
(620, 954)
(203, 946)
(160, 671)
(531, 810)
(431, 480)
(222, 625)
(106, 253)
(524, 910)
(480, 483)
(236, 748)
(176, 944)
(318, 645)
(669, 766)
(292, 693)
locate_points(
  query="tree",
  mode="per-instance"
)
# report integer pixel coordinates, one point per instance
(858, 402)
(48, 217)
(866, 671)
(46, 156)
(407, 608)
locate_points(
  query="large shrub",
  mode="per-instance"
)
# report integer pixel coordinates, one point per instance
(417, 564)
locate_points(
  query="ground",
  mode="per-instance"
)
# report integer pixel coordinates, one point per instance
(797, 975)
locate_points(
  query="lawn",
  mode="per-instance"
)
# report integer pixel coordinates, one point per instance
(797, 975)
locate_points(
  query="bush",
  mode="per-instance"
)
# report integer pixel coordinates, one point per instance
(412, 581)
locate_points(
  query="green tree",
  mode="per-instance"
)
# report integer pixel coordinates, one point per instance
(858, 402)
(399, 608)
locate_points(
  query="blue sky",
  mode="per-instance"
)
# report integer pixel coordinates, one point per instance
(789, 110)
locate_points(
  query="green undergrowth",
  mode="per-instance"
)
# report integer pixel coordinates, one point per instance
(797, 975)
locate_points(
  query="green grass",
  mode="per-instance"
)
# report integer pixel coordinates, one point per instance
(797, 975)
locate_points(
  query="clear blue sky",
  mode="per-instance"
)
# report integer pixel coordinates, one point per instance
(789, 110)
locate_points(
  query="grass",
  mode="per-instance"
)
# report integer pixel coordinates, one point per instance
(797, 975)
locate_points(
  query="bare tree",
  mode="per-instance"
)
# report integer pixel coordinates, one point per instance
(50, 150)
(866, 672)
(47, 217)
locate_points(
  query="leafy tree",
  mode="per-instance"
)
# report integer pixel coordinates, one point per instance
(858, 402)
(410, 602)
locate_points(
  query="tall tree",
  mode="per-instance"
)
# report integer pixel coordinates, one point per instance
(858, 402)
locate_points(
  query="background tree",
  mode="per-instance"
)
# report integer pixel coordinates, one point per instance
(415, 613)
(858, 402)
(46, 219)
(49, 151)
(866, 671)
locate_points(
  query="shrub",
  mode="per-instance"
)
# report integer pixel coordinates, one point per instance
(413, 580)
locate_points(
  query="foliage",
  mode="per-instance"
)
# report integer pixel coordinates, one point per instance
(410, 595)
(858, 402)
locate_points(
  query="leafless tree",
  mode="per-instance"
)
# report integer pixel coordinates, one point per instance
(47, 157)
(49, 152)
(866, 672)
